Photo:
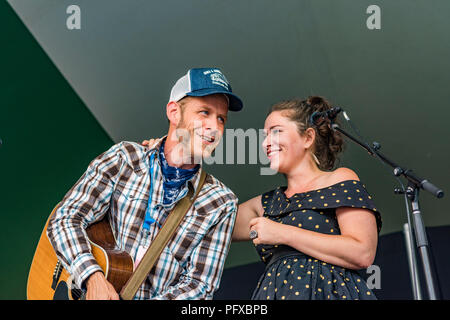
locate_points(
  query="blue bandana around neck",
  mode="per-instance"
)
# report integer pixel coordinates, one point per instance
(173, 178)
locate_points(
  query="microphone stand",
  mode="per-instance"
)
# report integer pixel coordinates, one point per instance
(412, 191)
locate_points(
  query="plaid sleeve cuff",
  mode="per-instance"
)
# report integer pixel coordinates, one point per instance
(82, 267)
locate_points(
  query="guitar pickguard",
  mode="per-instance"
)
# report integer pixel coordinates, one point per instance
(66, 291)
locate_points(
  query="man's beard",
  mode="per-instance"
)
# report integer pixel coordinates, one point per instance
(190, 143)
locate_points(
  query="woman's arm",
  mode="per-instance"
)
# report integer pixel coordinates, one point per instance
(354, 248)
(246, 211)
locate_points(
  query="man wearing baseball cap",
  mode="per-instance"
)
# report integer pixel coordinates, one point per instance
(138, 186)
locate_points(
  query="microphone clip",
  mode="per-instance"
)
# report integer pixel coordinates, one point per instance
(317, 118)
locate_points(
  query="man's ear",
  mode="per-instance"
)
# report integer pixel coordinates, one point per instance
(173, 112)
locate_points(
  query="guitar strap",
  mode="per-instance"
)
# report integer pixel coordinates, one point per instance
(158, 244)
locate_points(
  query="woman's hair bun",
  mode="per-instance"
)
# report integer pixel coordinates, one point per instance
(328, 143)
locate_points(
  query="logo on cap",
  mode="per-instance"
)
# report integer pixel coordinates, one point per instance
(199, 82)
(218, 78)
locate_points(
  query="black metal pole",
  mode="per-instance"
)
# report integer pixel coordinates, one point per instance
(415, 183)
(398, 170)
(421, 240)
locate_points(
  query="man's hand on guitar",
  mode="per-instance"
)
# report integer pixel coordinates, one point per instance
(147, 143)
(98, 288)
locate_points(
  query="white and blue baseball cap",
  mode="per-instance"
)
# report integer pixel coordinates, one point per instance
(199, 82)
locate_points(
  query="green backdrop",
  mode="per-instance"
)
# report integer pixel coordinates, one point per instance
(49, 137)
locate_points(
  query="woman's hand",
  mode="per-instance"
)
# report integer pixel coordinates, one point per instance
(147, 143)
(269, 232)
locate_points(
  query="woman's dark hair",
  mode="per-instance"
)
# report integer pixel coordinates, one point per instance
(327, 144)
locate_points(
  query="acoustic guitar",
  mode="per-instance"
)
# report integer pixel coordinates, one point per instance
(49, 280)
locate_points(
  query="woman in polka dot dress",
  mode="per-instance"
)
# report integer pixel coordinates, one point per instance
(314, 233)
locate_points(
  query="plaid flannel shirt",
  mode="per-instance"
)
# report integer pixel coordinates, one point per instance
(118, 183)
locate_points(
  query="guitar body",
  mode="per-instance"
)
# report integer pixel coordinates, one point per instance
(49, 280)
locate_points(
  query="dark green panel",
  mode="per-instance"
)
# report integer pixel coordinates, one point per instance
(49, 137)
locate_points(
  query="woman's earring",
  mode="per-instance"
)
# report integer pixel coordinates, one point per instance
(315, 158)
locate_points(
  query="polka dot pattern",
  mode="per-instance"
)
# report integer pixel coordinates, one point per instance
(300, 276)
(310, 279)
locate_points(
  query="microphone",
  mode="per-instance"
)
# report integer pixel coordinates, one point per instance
(317, 118)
